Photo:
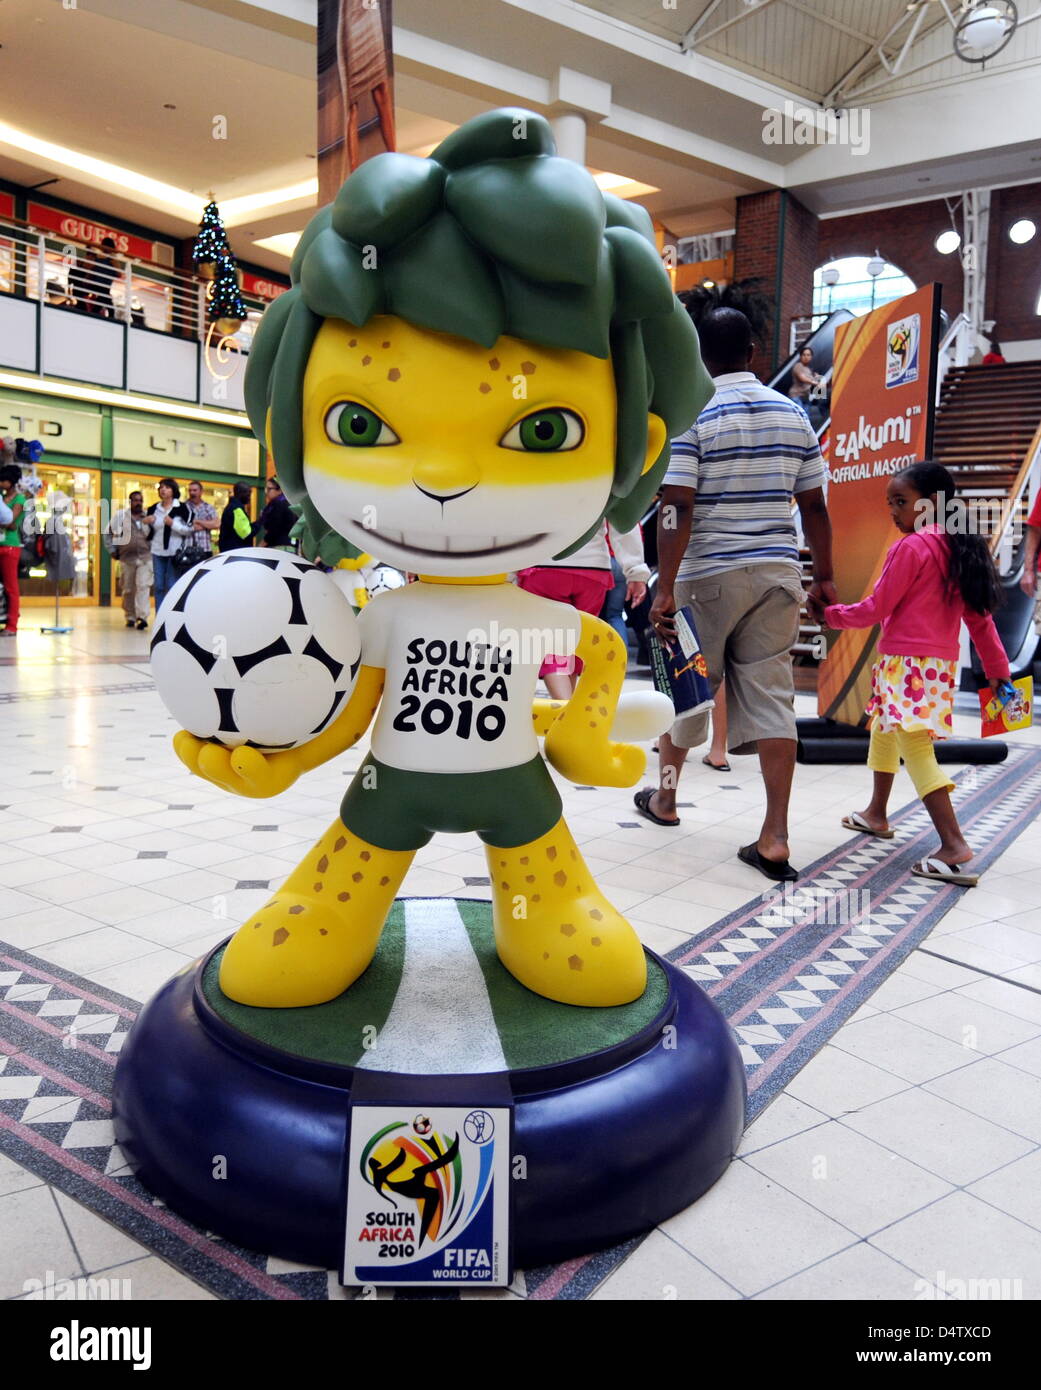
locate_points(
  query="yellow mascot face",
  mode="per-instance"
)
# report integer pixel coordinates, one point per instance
(446, 458)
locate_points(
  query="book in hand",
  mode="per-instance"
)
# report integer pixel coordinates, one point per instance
(680, 671)
(1007, 707)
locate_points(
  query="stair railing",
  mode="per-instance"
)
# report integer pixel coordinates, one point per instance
(956, 347)
(1028, 479)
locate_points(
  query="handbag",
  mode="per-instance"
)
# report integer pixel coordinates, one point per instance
(190, 552)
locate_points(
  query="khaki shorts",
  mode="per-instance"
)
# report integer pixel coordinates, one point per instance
(748, 621)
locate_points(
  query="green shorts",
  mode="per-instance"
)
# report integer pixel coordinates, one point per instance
(393, 809)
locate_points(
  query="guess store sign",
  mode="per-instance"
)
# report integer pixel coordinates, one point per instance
(259, 288)
(6, 204)
(81, 229)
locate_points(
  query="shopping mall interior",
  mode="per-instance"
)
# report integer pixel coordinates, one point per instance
(835, 1094)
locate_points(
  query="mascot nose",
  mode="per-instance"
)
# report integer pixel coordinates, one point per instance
(445, 478)
(443, 497)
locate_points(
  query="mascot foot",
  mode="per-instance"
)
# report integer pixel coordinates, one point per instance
(295, 951)
(320, 931)
(555, 931)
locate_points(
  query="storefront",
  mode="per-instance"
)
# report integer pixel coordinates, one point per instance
(96, 455)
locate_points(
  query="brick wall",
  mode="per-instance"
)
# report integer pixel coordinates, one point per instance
(903, 236)
(756, 241)
(1014, 272)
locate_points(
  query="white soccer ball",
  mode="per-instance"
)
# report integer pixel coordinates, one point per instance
(255, 647)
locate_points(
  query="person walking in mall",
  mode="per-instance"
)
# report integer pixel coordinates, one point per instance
(935, 578)
(277, 519)
(169, 521)
(204, 519)
(236, 529)
(804, 379)
(584, 579)
(129, 540)
(727, 546)
(11, 544)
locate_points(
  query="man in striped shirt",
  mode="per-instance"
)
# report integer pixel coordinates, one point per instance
(727, 546)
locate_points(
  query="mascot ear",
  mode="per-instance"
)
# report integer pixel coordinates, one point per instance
(657, 438)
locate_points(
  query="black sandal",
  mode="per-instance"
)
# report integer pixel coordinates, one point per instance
(642, 802)
(780, 870)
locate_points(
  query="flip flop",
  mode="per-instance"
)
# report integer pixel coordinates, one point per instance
(855, 821)
(940, 872)
(642, 802)
(724, 766)
(780, 871)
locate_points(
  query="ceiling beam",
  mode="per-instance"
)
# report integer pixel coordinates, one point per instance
(847, 29)
(729, 23)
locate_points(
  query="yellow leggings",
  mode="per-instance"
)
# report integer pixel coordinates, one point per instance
(915, 747)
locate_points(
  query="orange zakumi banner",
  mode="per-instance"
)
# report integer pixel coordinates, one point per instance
(883, 388)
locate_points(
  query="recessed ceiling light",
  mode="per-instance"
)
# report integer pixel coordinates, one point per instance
(947, 242)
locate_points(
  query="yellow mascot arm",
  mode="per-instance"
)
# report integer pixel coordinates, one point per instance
(578, 742)
(249, 772)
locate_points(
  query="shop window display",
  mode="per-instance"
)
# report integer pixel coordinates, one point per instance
(82, 485)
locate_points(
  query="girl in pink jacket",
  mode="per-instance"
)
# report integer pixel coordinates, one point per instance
(934, 578)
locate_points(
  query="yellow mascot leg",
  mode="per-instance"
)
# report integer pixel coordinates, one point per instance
(555, 931)
(320, 930)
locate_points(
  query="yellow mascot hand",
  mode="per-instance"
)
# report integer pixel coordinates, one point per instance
(578, 741)
(244, 771)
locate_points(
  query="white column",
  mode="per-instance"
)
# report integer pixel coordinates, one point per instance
(569, 131)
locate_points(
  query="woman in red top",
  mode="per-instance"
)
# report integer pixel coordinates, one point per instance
(935, 577)
(993, 358)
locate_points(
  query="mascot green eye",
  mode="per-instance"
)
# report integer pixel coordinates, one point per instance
(358, 426)
(545, 432)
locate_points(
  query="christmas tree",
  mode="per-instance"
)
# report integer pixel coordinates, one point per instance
(211, 243)
(225, 306)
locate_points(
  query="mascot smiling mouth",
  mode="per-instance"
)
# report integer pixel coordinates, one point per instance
(473, 546)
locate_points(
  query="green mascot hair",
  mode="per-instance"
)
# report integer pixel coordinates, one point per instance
(492, 234)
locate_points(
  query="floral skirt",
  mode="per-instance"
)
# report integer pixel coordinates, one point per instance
(913, 692)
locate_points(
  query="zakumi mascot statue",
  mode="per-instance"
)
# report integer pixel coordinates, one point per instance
(480, 359)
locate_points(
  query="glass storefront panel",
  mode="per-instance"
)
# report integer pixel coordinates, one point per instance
(123, 484)
(82, 486)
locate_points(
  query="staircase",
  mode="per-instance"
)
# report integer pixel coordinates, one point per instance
(986, 420)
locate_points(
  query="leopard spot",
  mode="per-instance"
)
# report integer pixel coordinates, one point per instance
(386, 345)
(504, 884)
(384, 881)
(536, 897)
(611, 655)
(343, 897)
(596, 914)
(493, 362)
(357, 878)
(566, 929)
(295, 910)
(545, 955)
(551, 852)
(527, 368)
(560, 878)
(365, 855)
(366, 360)
(595, 940)
(603, 710)
(318, 888)
(322, 932)
(596, 640)
(529, 878)
(575, 962)
(574, 854)
(394, 374)
(280, 934)
(524, 860)
(323, 864)
(606, 689)
(484, 388)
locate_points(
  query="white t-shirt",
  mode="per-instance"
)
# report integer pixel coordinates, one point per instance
(461, 663)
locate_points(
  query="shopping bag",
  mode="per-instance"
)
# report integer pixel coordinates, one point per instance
(679, 670)
(1005, 716)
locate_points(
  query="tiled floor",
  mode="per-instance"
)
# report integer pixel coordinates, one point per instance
(907, 1153)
